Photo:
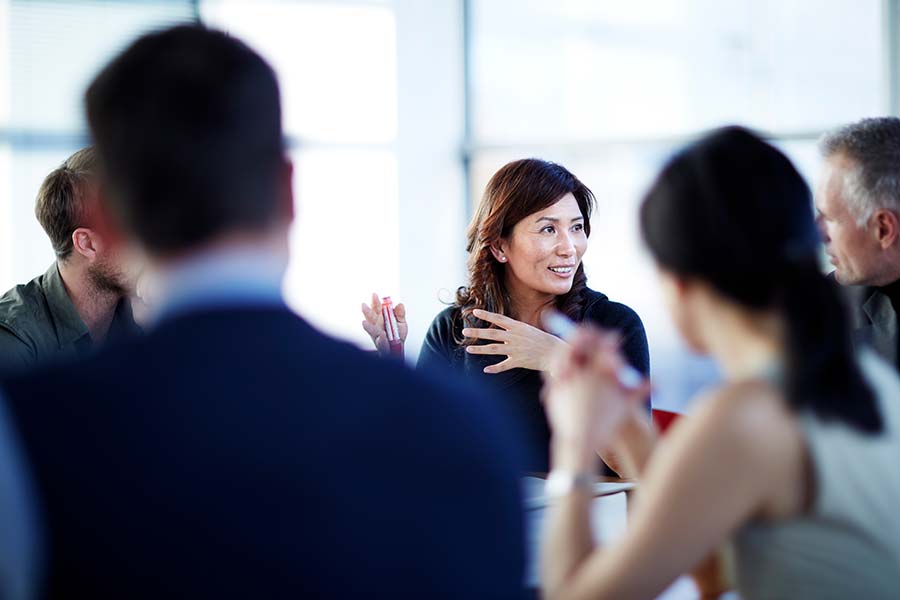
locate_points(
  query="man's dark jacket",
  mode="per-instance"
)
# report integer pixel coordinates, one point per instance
(240, 454)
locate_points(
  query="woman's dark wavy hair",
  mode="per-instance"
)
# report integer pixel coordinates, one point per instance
(518, 189)
(731, 210)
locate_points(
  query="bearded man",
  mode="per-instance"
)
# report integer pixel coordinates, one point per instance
(84, 297)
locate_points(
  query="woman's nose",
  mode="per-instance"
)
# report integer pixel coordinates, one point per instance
(566, 246)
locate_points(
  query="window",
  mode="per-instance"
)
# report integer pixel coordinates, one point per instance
(49, 52)
(379, 191)
(387, 152)
(337, 66)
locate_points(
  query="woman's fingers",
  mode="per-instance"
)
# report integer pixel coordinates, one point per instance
(641, 393)
(595, 349)
(372, 329)
(583, 347)
(500, 367)
(497, 335)
(494, 318)
(377, 334)
(595, 354)
(402, 326)
(368, 314)
(374, 323)
(488, 349)
(374, 326)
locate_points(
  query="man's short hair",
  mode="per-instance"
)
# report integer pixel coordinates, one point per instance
(60, 206)
(874, 146)
(187, 124)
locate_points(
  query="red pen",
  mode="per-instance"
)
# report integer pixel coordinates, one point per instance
(390, 327)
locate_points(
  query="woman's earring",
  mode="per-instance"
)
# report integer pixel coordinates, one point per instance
(502, 259)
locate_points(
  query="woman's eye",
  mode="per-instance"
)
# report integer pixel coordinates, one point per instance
(548, 229)
(578, 227)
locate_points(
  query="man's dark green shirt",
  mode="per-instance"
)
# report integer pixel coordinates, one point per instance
(39, 323)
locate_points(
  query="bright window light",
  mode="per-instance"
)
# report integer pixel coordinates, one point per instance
(345, 242)
(336, 62)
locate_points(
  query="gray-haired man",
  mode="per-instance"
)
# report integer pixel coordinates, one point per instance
(858, 205)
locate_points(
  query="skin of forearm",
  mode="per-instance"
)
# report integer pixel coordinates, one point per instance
(632, 449)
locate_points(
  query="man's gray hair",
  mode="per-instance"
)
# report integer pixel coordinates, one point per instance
(874, 182)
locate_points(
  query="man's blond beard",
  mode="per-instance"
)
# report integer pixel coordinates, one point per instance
(107, 280)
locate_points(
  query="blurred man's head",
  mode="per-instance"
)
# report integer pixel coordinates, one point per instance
(187, 124)
(68, 208)
(858, 201)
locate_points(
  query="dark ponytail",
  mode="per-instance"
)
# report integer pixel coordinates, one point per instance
(732, 210)
(822, 373)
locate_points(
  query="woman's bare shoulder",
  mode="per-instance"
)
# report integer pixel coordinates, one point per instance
(749, 426)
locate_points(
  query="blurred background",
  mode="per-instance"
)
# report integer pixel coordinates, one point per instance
(397, 113)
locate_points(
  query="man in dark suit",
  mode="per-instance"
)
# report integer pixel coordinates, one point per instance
(858, 205)
(234, 451)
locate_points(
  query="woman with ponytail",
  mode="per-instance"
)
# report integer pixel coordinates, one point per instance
(525, 245)
(792, 459)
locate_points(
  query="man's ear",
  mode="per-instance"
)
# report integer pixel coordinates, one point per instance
(286, 192)
(86, 243)
(886, 227)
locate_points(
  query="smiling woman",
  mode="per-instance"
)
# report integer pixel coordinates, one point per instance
(525, 245)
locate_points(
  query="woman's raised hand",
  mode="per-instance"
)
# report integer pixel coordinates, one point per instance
(524, 346)
(374, 324)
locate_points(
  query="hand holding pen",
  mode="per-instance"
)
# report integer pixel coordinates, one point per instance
(386, 325)
(593, 393)
(562, 326)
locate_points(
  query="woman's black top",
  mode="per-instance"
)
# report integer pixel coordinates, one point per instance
(520, 388)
